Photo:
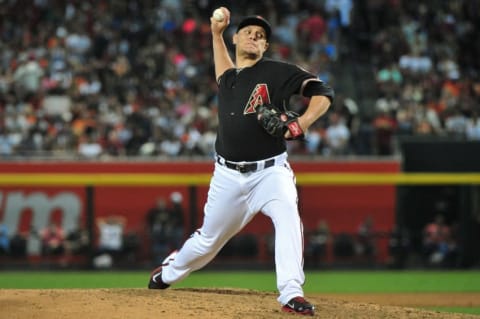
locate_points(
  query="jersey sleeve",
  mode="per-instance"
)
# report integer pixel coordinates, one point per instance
(294, 78)
(317, 87)
(298, 81)
(222, 79)
(301, 82)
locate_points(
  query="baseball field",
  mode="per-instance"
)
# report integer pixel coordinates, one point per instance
(233, 294)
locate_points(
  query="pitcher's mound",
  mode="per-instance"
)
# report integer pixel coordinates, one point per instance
(190, 303)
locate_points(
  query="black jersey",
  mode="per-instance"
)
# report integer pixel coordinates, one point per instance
(239, 136)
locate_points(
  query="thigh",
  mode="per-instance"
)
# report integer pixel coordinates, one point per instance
(275, 184)
(225, 211)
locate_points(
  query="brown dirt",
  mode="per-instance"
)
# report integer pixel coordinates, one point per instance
(217, 303)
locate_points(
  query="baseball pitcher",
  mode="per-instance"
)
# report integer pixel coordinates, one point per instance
(252, 173)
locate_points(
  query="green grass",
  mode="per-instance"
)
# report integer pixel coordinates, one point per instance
(391, 281)
(317, 282)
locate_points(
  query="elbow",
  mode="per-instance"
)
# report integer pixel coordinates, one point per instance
(329, 93)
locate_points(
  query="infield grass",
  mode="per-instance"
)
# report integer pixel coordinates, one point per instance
(317, 281)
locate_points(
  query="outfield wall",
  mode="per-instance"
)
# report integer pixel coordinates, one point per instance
(34, 193)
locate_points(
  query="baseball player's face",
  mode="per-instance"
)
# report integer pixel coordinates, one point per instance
(251, 40)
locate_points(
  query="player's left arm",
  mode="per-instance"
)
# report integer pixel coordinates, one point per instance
(321, 97)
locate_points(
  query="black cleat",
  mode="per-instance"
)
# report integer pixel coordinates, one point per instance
(156, 279)
(299, 306)
(156, 275)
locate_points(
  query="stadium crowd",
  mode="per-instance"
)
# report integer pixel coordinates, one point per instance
(102, 79)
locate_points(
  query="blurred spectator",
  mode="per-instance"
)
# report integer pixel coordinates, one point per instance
(310, 32)
(27, 76)
(285, 33)
(390, 79)
(341, 11)
(53, 240)
(166, 225)
(111, 230)
(317, 242)
(314, 139)
(337, 136)
(365, 244)
(364, 138)
(415, 64)
(387, 103)
(405, 121)
(157, 218)
(89, 147)
(448, 67)
(4, 240)
(473, 128)
(456, 123)
(33, 242)
(77, 242)
(18, 245)
(177, 219)
(439, 245)
(348, 110)
(398, 247)
(6, 143)
(385, 126)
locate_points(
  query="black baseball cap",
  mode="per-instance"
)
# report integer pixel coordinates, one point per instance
(256, 20)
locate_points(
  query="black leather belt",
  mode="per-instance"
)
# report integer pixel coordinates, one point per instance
(246, 167)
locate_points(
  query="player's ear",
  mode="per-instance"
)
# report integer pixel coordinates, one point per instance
(234, 38)
(267, 46)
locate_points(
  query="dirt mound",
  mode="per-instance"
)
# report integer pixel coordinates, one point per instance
(207, 303)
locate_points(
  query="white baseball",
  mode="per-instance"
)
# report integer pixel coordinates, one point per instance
(218, 15)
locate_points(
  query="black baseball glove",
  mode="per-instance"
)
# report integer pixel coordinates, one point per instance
(277, 122)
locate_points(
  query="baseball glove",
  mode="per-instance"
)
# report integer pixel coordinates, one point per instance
(277, 122)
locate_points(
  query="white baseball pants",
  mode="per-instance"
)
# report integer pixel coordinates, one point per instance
(234, 198)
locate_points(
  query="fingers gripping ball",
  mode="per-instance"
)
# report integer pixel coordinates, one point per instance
(218, 15)
(277, 123)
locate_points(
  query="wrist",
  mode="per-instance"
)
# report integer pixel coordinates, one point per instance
(217, 35)
(304, 122)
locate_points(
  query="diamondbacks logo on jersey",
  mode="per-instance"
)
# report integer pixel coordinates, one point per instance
(258, 97)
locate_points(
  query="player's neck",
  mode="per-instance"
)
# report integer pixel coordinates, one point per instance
(247, 61)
